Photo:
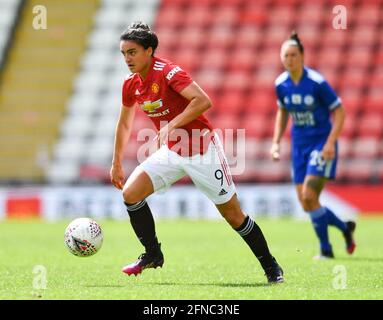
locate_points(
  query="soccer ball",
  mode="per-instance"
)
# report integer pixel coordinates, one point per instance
(83, 237)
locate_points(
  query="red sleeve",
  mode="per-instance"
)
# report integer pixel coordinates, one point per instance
(177, 78)
(128, 95)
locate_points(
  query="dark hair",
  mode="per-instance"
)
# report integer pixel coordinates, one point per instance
(294, 36)
(140, 33)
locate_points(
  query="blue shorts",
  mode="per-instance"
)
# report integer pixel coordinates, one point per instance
(307, 160)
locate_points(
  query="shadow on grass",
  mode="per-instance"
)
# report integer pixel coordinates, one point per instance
(225, 285)
(105, 286)
(359, 259)
(213, 284)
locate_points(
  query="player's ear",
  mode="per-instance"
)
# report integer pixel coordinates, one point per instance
(149, 51)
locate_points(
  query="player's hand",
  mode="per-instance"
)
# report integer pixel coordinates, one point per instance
(328, 151)
(117, 176)
(275, 151)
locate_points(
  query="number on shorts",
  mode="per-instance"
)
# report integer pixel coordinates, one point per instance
(316, 158)
(219, 176)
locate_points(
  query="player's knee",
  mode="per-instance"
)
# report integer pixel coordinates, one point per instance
(309, 202)
(130, 196)
(233, 217)
(306, 206)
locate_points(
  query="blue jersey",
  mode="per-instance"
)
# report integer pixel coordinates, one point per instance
(309, 103)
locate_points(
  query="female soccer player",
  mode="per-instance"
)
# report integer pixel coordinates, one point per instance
(305, 95)
(167, 94)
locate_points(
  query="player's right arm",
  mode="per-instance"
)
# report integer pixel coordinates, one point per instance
(280, 126)
(122, 135)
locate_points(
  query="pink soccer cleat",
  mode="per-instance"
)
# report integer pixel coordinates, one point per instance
(349, 237)
(144, 261)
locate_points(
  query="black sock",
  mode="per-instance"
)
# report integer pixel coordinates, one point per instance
(142, 222)
(253, 236)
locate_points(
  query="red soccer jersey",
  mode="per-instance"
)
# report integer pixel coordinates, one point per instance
(159, 97)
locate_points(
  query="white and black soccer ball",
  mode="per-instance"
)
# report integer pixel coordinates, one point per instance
(83, 237)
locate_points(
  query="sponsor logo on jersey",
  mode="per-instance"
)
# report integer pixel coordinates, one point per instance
(305, 118)
(172, 72)
(137, 92)
(159, 114)
(155, 88)
(151, 106)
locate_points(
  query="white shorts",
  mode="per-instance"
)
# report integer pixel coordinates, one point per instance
(209, 172)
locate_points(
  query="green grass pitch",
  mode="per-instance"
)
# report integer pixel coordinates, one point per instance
(203, 260)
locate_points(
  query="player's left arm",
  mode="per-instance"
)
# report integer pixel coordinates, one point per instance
(333, 102)
(339, 114)
(199, 103)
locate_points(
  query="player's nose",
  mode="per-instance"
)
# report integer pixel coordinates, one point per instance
(127, 58)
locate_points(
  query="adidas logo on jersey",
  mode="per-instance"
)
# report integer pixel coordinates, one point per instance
(222, 192)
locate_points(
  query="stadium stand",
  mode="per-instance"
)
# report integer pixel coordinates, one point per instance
(9, 10)
(231, 48)
(83, 151)
(36, 82)
(245, 56)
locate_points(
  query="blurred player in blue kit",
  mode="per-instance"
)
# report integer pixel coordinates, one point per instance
(305, 95)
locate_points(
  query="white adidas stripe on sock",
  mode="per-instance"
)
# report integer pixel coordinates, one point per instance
(247, 229)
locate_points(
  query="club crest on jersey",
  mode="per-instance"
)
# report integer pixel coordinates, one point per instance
(151, 106)
(296, 99)
(155, 88)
